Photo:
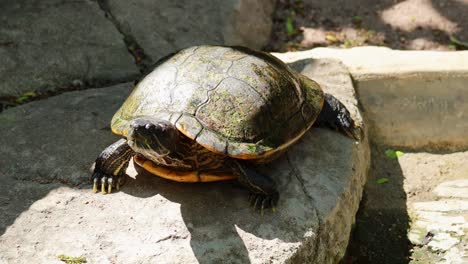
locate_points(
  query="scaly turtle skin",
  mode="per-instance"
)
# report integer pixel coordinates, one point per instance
(210, 113)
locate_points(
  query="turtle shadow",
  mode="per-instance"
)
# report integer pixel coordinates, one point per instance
(17, 196)
(221, 223)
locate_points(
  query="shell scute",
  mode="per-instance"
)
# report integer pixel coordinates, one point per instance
(231, 100)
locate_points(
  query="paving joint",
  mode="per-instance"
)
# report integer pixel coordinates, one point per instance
(142, 61)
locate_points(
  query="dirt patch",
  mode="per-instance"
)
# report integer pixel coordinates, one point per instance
(411, 24)
(388, 215)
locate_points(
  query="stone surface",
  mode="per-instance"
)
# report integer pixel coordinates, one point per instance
(161, 27)
(418, 113)
(379, 62)
(45, 45)
(411, 99)
(437, 185)
(55, 141)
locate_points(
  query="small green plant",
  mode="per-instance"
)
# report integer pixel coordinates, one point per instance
(25, 97)
(289, 24)
(382, 180)
(71, 260)
(394, 154)
(458, 43)
(348, 43)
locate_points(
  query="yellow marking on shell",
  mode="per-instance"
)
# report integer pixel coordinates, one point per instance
(115, 124)
(118, 132)
(181, 176)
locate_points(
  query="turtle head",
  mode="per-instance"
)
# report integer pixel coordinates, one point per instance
(153, 138)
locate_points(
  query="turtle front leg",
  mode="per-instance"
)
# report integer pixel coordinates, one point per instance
(110, 167)
(263, 189)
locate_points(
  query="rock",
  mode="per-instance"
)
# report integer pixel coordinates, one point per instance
(161, 27)
(363, 65)
(458, 188)
(411, 99)
(436, 186)
(55, 140)
(442, 242)
(150, 220)
(46, 45)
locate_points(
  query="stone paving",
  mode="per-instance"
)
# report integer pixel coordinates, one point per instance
(437, 185)
(66, 45)
(50, 209)
(48, 146)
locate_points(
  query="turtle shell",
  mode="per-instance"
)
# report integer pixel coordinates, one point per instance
(231, 100)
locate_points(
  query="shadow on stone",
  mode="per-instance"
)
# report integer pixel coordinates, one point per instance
(50, 144)
(218, 216)
(380, 232)
(396, 24)
(17, 196)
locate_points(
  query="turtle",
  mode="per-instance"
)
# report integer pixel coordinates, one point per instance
(211, 113)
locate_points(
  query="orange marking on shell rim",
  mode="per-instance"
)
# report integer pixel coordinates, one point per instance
(180, 176)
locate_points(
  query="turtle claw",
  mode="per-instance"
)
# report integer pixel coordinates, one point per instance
(103, 185)
(95, 185)
(262, 202)
(109, 185)
(119, 183)
(106, 184)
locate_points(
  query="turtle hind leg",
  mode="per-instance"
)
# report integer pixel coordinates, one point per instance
(335, 116)
(263, 190)
(110, 167)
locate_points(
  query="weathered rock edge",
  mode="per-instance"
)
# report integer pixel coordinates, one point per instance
(410, 99)
(366, 63)
(56, 140)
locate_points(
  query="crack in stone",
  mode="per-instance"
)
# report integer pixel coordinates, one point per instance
(49, 181)
(297, 174)
(7, 102)
(171, 237)
(142, 61)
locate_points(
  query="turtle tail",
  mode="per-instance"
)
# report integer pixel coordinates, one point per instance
(334, 115)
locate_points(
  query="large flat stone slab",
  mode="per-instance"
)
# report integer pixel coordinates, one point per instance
(45, 45)
(411, 99)
(161, 27)
(151, 220)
